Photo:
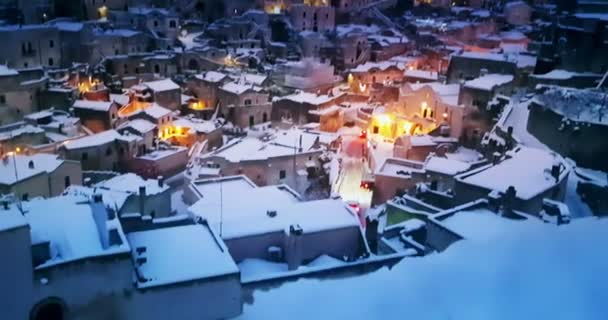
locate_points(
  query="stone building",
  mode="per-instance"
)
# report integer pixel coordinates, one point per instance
(59, 246)
(532, 175)
(312, 18)
(20, 92)
(244, 104)
(38, 175)
(30, 46)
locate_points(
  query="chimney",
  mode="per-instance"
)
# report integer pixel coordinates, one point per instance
(30, 164)
(508, 200)
(100, 216)
(161, 181)
(142, 199)
(300, 148)
(555, 171)
(293, 247)
(371, 233)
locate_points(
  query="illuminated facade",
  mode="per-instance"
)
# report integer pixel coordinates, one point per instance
(419, 110)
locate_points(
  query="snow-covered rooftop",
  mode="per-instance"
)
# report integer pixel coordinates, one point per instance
(528, 170)
(68, 223)
(308, 97)
(103, 106)
(42, 163)
(139, 125)
(422, 74)
(517, 273)
(6, 71)
(98, 139)
(576, 104)
(249, 215)
(446, 166)
(179, 254)
(282, 143)
(521, 60)
(447, 92)
(489, 81)
(382, 65)
(211, 76)
(198, 125)
(161, 85)
(156, 111)
(11, 219)
(130, 183)
(240, 88)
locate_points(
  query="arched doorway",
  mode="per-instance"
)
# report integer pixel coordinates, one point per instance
(49, 309)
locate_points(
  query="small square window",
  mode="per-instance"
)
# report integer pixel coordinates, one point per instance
(282, 174)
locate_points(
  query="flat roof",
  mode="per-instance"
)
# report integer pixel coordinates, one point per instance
(480, 224)
(179, 254)
(528, 170)
(67, 222)
(249, 214)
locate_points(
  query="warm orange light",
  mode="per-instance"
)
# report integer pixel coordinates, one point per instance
(445, 115)
(407, 127)
(384, 119)
(198, 105)
(362, 87)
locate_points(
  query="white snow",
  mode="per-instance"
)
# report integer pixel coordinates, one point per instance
(197, 125)
(446, 166)
(139, 125)
(180, 254)
(130, 182)
(422, 74)
(576, 104)
(489, 81)
(307, 97)
(11, 219)
(381, 66)
(103, 106)
(6, 71)
(155, 111)
(249, 215)
(527, 271)
(528, 170)
(211, 76)
(97, 139)
(67, 222)
(161, 85)
(239, 88)
(447, 92)
(42, 163)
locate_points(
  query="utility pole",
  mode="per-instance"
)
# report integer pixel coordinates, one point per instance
(19, 205)
(221, 206)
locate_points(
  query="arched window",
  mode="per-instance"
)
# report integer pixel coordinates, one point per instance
(49, 309)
